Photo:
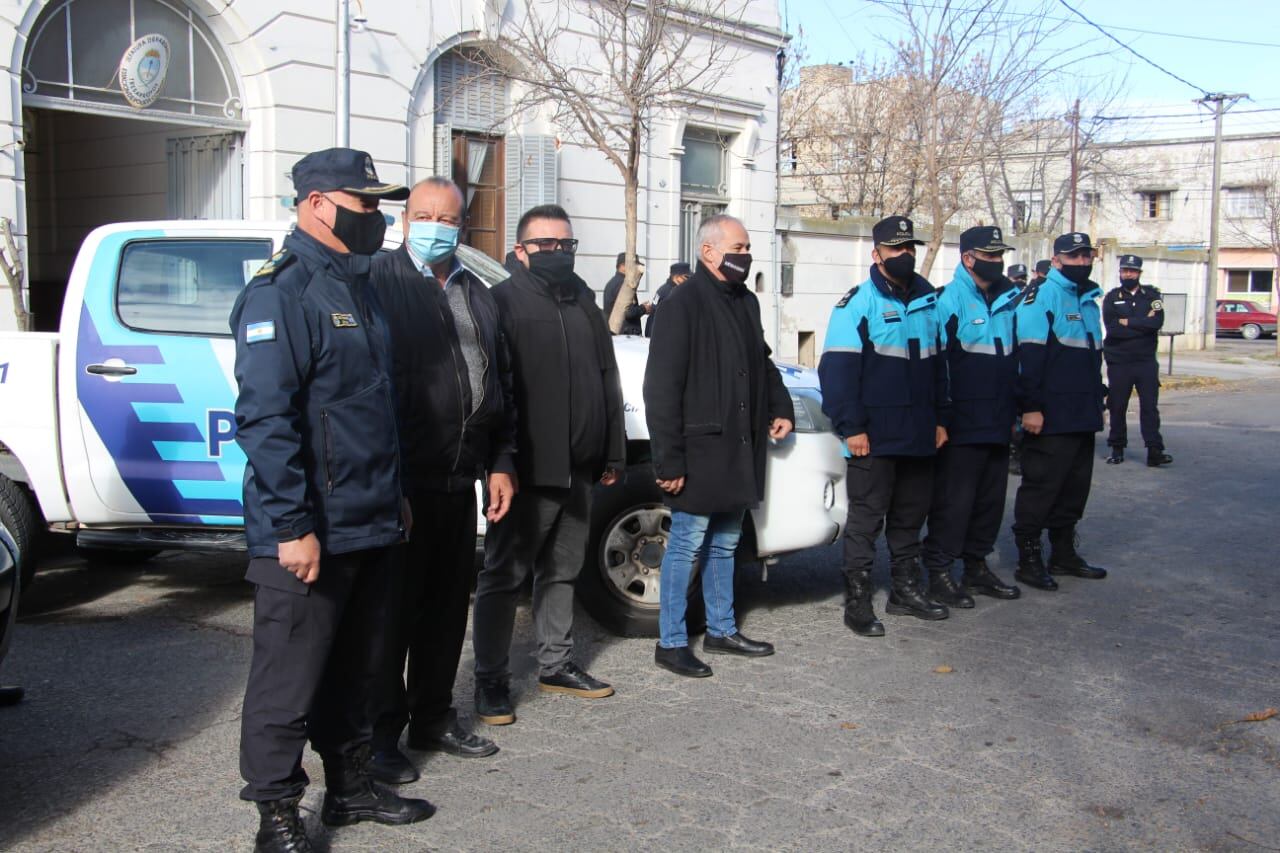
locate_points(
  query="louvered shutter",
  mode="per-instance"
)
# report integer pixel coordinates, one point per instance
(531, 176)
(443, 166)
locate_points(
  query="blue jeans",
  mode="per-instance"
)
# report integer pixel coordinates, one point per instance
(713, 539)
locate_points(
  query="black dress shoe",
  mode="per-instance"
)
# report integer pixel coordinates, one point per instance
(368, 800)
(1116, 457)
(907, 599)
(572, 679)
(493, 703)
(944, 590)
(390, 767)
(280, 828)
(980, 580)
(681, 660)
(454, 740)
(1157, 457)
(736, 644)
(11, 695)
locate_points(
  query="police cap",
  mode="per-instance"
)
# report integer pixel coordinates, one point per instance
(1043, 267)
(984, 238)
(1017, 271)
(342, 169)
(680, 268)
(1069, 244)
(1130, 262)
(895, 231)
(622, 259)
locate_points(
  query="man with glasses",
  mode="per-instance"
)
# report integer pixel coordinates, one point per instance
(569, 436)
(453, 379)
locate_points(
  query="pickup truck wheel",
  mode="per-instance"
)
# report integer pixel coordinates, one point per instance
(115, 556)
(1251, 331)
(21, 516)
(621, 576)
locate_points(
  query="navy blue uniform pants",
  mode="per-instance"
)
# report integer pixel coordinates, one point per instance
(892, 493)
(1057, 471)
(1122, 379)
(314, 660)
(970, 482)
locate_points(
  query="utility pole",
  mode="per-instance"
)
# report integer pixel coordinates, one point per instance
(342, 89)
(1220, 102)
(1075, 168)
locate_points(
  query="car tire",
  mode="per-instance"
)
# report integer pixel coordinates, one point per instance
(115, 557)
(20, 514)
(620, 577)
(1251, 331)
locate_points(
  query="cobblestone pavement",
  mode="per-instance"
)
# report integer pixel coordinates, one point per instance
(1095, 718)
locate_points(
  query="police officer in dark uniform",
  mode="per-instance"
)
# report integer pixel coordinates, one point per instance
(677, 275)
(975, 316)
(1058, 348)
(1133, 314)
(1017, 275)
(884, 387)
(635, 310)
(1041, 273)
(323, 502)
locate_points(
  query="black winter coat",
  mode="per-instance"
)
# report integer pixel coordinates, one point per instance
(706, 421)
(630, 317)
(1134, 342)
(539, 330)
(446, 445)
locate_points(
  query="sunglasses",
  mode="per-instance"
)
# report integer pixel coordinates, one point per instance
(551, 244)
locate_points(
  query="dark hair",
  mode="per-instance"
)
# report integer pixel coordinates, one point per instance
(542, 211)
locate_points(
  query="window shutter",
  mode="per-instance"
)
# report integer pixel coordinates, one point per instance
(532, 174)
(469, 96)
(443, 166)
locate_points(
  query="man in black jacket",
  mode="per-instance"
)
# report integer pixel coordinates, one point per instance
(713, 400)
(315, 418)
(678, 275)
(569, 436)
(634, 311)
(1133, 315)
(452, 376)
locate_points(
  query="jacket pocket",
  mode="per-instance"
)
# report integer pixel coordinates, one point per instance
(691, 430)
(361, 462)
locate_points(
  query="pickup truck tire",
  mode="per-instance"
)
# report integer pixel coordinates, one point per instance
(619, 581)
(115, 556)
(20, 514)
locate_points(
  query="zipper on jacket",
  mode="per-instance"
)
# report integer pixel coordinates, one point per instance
(564, 340)
(454, 345)
(328, 450)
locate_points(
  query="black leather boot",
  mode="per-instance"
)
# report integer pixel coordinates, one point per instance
(280, 828)
(351, 796)
(1031, 570)
(859, 617)
(1157, 457)
(944, 590)
(1116, 457)
(1063, 559)
(980, 580)
(906, 598)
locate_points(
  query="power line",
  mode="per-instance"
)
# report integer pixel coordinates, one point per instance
(1153, 64)
(1200, 116)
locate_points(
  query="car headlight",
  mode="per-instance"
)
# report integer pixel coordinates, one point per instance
(807, 404)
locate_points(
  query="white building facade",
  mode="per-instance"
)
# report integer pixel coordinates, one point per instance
(130, 110)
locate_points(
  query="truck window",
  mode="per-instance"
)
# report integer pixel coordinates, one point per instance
(185, 286)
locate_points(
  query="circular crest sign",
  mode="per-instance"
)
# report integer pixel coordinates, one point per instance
(143, 68)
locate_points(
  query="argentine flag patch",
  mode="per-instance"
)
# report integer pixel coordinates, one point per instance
(256, 333)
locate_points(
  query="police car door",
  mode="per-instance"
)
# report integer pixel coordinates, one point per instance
(152, 372)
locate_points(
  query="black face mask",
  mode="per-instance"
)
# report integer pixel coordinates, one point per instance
(1130, 283)
(988, 270)
(361, 233)
(901, 268)
(736, 266)
(554, 268)
(1077, 274)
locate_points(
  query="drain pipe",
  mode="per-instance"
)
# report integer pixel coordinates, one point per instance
(342, 107)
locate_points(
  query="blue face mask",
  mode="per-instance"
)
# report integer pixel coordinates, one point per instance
(432, 241)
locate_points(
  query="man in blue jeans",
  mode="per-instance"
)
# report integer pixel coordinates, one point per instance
(713, 399)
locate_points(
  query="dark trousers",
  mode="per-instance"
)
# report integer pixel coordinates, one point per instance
(433, 577)
(314, 661)
(1121, 380)
(889, 492)
(1056, 474)
(544, 533)
(969, 486)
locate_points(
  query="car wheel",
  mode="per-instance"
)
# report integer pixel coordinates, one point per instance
(115, 556)
(21, 516)
(621, 577)
(1251, 331)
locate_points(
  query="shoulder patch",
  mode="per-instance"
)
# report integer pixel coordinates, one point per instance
(939, 290)
(256, 333)
(275, 263)
(1157, 305)
(844, 300)
(1029, 295)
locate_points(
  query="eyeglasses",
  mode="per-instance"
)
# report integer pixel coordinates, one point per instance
(551, 244)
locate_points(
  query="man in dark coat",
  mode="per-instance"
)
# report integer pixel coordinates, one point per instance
(1133, 315)
(635, 310)
(678, 275)
(713, 399)
(452, 376)
(569, 436)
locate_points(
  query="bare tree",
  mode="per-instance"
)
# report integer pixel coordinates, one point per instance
(11, 266)
(648, 60)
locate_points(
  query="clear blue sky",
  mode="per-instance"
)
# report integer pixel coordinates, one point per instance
(1203, 42)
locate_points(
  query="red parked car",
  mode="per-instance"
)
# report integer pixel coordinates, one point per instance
(1245, 318)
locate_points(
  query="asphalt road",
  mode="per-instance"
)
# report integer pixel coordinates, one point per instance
(1096, 718)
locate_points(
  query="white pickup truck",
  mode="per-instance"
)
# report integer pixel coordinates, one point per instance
(118, 429)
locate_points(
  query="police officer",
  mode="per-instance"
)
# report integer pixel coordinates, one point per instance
(1017, 275)
(884, 387)
(634, 310)
(975, 316)
(677, 275)
(322, 501)
(1041, 273)
(1059, 391)
(1133, 314)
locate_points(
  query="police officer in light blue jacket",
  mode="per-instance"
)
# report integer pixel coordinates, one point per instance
(884, 386)
(1058, 334)
(975, 316)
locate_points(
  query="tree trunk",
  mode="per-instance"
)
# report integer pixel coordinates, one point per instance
(11, 264)
(630, 194)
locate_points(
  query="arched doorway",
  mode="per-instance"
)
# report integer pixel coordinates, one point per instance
(130, 111)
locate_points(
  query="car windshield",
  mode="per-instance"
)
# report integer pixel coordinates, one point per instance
(486, 268)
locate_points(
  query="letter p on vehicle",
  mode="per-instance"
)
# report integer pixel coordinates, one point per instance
(222, 428)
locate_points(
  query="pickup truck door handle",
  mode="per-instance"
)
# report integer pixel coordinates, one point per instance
(110, 369)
